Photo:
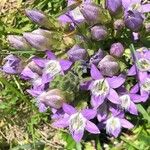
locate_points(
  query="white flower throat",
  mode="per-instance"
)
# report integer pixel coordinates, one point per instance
(112, 124)
(146, 85)
(125, 101)
(100, 87)
(52, 67)
(144, 64)
(77, 122)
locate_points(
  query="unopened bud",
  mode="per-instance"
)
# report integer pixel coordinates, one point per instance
(94, 14)
(114, 6)
(53, 98)
(117, 50)
(38, 41)
(77, 53)
(18, 42)
(99, 33)
(134, 20)
(119, 24)
(109, 66)
(40, 18)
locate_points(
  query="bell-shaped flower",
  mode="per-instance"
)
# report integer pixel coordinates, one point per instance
(12, 65)
(77, 122)
(102, 88)
(114, 125)
(18, 42)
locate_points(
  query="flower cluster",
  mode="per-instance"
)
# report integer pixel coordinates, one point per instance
(85, 87)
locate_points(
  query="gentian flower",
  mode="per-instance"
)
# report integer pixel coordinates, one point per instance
(39, 18)
(52, 66)
(38, 41)
(53, 98)
(77, 121)
(109, 66)
(99, 33)
(102, 88)
(114, 6)
(77, 53)
(97, 57)
(115, 123)
(117, 50)
(119, 24)
(133, 20)
(18, 42)
(12, 65)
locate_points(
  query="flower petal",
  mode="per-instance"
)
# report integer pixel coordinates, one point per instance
(116, 132)
(89, 113)
(132, 71)
(61, 123)
(40, 62)
(135, 88)
(132, 109)
(113, 96)
(126, 124)
(77, 135)
(136, 98)
(91, 127)
(95, 73)
(65, 64)
(50, 55)
(116, 81)
(96, 101)
(69, 109)
(145, 8)
(85, 85)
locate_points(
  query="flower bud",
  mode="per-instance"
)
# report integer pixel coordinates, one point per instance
(34, 67)
(12, 64)
(114, 6)
(77, 53)
(109, 66)
(18, 42)
(38, 41)
(40, 18)
(117, 50)
(99, 33)
(94, 14)
(53, 98)
(97, 57)
(147, 27)
(43, 32)
(119, 24)
(134, 20)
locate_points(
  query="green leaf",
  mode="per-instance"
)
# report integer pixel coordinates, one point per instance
(143, 112)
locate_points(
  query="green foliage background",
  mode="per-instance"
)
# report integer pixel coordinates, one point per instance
(22, 127)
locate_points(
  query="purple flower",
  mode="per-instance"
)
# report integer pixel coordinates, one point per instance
(77, 121)
(136, 5)
(99, 33)
(97, 57)
(18, 42)
(91, 13)
(102, 88)
(77, 53)
(119, 24)
(12, 65)
(117, 50)
(115, 123)
(38, 17)
(109, 66)
(53, 98)
(133, 20)
(38, 41)
(114, 6)
(141, 69)
(52, 66)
